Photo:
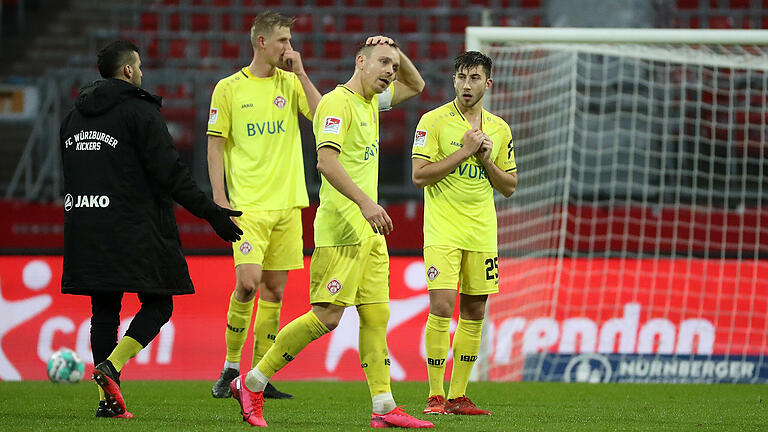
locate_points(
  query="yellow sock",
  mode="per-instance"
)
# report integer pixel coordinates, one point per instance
(466, 345)
(437, 339)
(374, 356)
(238, 321)
(125, 350)
(265, 326)
(296, 335)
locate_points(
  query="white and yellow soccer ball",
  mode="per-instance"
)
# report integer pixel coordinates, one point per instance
(65, 366)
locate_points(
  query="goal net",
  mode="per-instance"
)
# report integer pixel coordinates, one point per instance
(636, 245)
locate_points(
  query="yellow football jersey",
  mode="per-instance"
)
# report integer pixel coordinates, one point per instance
(459, 210)
(347, 122)
(263, 161)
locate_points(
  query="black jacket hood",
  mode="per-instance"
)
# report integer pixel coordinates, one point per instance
(103, 95)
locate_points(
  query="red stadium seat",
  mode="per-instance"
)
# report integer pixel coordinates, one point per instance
(148, 21)
(438, 50)
(720, 22)
(246, 22)
(230, 50)
(687, 4)
(175, 22)
(153, 48)
(332, 50)
(408, 24)
(307, 49)
(532, 4)
(303, 24)
(178, 48)
(204, 48)
(458, 23)
(226, 23)
(739, 4)
(353, 24)
(201, 22)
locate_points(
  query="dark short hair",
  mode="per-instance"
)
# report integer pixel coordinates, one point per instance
(365, 49)
(472, 59)
(115, 55)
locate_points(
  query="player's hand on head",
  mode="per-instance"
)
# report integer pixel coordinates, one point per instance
(377, 217)
(375, 40)
(223, 224)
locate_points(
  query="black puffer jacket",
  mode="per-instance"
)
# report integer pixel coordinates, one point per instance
(121, 176)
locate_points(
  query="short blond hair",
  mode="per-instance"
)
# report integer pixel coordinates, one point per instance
(266, 22)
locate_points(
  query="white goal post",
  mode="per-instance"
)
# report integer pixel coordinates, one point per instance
(636, 245)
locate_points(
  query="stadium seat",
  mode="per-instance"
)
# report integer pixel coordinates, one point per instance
(230, 50)
(687, 4)
(332, 50)
(178, 48)
(438, 50)
(153, 48)
(148, 21)
(353, 24)
(174, 22)
(204, 48)
(303, 24)
(200, 22)
(458, 23)
(408, 24)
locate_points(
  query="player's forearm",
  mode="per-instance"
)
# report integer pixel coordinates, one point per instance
(313, 95)
(504, 182)
(330, 167)
(216, 169)
(425, 173)
(409, 75)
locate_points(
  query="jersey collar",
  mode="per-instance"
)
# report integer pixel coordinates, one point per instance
(458, 111)
(247, 73)
(359, 96)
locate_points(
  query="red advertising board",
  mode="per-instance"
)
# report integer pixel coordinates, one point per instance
(603, 305)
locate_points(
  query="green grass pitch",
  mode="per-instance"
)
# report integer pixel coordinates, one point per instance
(345, 406)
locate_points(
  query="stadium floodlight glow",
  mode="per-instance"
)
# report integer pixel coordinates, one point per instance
(635, 246)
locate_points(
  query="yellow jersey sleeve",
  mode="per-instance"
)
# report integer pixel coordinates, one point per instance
(220, 115)
(301, 97)
(506, 157)
(425, 140)
(332, 120)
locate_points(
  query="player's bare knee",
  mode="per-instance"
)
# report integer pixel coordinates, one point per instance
(245, 290)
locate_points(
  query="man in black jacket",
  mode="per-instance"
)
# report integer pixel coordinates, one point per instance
(121, 177)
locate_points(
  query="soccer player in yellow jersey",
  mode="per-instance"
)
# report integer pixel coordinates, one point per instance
(254, 146)
(350, 265)
(460, 154)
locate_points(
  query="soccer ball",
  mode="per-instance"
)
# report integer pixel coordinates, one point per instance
(65, 366)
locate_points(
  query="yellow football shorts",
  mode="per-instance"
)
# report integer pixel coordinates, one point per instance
(350, 275)
(475, 273)
(271, 238)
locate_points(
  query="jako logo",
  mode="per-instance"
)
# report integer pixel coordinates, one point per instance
(86, 201)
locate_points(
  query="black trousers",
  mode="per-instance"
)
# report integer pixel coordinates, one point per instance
(155, 311)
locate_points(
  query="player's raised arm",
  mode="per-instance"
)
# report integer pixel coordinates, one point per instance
(294, 64)
(409, 82)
